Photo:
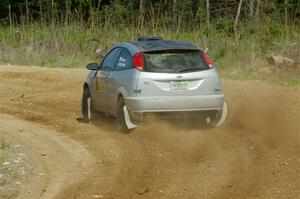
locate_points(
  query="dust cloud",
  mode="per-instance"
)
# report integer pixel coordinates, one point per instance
(264, 115)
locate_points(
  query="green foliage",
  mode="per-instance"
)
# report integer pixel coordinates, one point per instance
(4, 145)
(225, 26)
(115, 15)
(273, 31)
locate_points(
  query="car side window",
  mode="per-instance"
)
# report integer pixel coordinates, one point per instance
(110, 60)
(124, 61)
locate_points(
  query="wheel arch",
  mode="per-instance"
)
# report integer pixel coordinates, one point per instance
(85, 86)
(121, 93)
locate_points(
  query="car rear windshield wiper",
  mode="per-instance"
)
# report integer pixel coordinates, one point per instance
(190, 69)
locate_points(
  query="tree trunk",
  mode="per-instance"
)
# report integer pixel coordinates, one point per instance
(10, 20)
(257, 10)
(174, 13)
(67, 13)
(98, 6)
(91, 14)
(207, 13)
(166, 8)
(98, 11)
(27, 11)
(80, 14)
(41, 10)
(52, 13)
(237, 19)
(251, 8)
(286, 12)
(142, 12)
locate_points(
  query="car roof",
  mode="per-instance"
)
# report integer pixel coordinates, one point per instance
(161, 45)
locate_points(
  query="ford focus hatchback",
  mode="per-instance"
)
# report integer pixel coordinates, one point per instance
(151, 76)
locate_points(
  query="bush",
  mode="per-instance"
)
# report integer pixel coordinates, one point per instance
(225, 26)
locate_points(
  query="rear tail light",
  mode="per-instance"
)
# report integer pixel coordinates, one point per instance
(138, 61)
(207, 59)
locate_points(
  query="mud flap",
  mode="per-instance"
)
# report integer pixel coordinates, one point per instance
(89, 113)
(128, 122)
(224, 115)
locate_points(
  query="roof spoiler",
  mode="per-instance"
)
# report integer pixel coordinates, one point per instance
(149, 38)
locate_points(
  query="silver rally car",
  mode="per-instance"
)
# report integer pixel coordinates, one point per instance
(151, 76)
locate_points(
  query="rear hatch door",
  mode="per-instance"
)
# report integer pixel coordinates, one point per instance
(177, 73)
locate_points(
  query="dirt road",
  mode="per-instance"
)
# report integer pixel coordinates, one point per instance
(256, 154)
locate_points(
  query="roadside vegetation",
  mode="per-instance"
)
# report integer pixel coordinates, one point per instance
(3, 147)
(239, 35)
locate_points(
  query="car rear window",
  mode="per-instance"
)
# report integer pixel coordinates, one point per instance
(174, 61)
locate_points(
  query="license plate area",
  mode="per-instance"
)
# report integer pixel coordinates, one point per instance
(178, 85)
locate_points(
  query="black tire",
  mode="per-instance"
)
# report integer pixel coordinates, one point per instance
(122, 127)
(88, 111)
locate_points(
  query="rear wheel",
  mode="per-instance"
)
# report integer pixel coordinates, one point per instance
(88, 111)
(122, 126)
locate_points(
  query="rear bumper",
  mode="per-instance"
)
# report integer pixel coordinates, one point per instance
(174, 103)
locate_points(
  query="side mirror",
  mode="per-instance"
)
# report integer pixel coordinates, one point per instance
(92, 66)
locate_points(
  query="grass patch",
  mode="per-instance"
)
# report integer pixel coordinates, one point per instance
(2, 159)
(4, 145)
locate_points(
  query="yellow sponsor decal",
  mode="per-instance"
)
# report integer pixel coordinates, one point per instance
(100, 84)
